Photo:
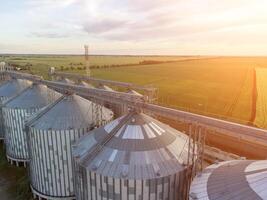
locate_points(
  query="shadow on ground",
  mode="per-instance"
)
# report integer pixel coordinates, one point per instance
(14, 184)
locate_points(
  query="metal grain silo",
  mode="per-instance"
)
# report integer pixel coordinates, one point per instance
(2, 66)
(51, 134)
(133, 157)
(66, 80)
(85, 84)
(104, 87)
(8, 90)
(237, 179)
(15, 112)
(134, 92)
(3, 76)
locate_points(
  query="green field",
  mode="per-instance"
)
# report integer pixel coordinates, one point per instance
(58, 61)
(214, 86)
(40, 63)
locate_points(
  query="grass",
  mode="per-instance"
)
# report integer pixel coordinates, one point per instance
(17, 185)
(215, 86)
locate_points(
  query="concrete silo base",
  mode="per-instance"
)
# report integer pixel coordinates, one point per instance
(17, 162)
(40, 196)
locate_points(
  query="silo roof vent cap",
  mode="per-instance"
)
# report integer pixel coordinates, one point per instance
(156, 169)
(96, 165)
(124, 172)
(193, 196)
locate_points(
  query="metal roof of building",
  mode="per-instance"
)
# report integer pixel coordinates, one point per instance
(71, 111)
(13, 87)
(35, 96)
(235, 180)
(142, 148)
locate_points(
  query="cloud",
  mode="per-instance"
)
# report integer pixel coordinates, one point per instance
(115, 21)
(137, 22)
(50, 35)
(51, 3)
(167, 19)
(103, 25)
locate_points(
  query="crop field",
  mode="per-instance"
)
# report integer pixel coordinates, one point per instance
(261, 105)
(66, 61)
(222, 87)
(40, 63)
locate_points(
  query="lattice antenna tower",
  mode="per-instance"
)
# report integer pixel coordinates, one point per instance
(87, 64)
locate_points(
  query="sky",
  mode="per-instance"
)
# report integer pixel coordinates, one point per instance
(157, 27)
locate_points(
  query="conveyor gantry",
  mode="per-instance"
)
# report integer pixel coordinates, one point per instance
(134, 101)
(149, 92)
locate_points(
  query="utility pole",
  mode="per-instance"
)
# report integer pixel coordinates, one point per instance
(87, 64)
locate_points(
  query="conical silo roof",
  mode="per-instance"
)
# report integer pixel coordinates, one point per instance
(86, 84)
(2, 64)
(236, 179)
(35, 96)
(134, 92)
(134, 146)
(104, 87)
(70, 112)
(66, 80)
(12, 87)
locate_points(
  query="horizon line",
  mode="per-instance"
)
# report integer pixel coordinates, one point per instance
(133, 55)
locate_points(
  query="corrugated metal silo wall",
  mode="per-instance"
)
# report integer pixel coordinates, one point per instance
(51, 170)
(90, 185)
(15, 134)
